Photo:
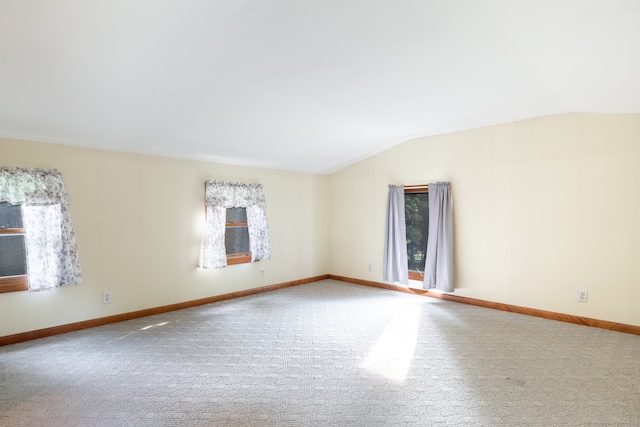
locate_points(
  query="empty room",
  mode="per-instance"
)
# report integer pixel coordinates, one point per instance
(319, 213)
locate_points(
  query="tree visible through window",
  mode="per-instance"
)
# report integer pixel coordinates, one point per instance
(416, 211)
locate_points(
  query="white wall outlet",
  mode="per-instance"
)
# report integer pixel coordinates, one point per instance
(106, 297)
(370, 268)
(263, 272)
(583, 295)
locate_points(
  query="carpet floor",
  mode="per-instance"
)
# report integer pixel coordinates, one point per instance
(325, 354)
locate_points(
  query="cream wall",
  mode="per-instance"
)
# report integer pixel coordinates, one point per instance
(542, 208)
(138, 222)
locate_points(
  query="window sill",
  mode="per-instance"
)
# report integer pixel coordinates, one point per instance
(14, 284)
(414, 275)
(239, 258)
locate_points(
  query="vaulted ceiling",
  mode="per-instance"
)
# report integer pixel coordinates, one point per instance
(300, 84)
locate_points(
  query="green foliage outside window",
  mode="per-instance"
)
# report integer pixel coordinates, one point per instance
(416, 211)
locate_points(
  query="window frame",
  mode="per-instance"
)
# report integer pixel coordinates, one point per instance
(241, 257)
(413, 189)
(19, 282)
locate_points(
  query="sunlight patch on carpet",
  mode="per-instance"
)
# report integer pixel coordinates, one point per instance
(393, 352)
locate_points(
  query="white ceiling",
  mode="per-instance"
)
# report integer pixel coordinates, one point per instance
(304, 85)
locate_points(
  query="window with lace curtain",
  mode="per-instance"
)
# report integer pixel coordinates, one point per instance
(236, 229)
(37, 243)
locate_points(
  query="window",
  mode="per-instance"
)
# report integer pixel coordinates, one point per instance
(37, 243)
(13, 249)
(416, 213)
(236, 237)
(236, 229)
(418, 239)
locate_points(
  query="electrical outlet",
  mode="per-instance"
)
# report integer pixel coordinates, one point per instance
(263, 272)
(583, 295)
(370, 268)
(106, 297)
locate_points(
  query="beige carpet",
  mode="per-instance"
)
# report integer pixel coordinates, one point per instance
(325, 354)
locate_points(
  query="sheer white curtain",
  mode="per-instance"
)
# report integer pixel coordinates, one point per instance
(439, 260)
(395, 268)
(52, 253)
(219, 196)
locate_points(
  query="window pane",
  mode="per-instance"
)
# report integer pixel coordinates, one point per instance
(237, 215)
(13, 261)
(416, 211)
(236, 240)
(10, 216)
